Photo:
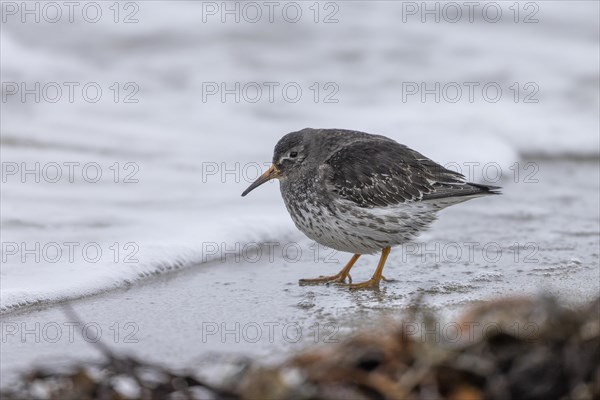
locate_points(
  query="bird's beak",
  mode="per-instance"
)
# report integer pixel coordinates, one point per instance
(271, 173)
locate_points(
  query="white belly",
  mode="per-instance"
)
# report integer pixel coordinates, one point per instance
(345, 227)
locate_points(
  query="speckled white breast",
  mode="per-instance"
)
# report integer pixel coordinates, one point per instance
(346, 227)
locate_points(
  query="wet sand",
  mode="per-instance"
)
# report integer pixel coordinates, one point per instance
(535, 237)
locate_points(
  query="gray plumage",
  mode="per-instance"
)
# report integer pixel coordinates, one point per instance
(359, 193)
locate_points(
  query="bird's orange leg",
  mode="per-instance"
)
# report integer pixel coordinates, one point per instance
(339, 277)
(377, 276)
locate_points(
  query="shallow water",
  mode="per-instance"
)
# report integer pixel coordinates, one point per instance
(174, 163)
(186, 267)
(535, 238)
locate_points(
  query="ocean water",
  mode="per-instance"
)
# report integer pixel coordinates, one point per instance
(100, 192)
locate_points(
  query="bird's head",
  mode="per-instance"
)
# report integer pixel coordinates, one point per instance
(289, 155)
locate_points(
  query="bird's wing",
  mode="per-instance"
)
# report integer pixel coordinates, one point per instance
(379, 173)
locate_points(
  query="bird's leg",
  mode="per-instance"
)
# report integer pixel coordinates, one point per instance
(377, 276)
(339, 277)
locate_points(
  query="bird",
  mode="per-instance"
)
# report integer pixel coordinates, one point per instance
(361, 193)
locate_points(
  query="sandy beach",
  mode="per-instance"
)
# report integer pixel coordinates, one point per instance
(127, 141)
(251, 304)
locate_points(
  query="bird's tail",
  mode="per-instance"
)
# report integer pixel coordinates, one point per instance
(486, 189)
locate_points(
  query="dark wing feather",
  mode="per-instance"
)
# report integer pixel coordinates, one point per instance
(379, 173)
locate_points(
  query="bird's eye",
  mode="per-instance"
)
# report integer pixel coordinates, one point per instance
(293, 154)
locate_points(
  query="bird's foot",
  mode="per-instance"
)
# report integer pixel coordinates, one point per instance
(370, 284)
(337, 278)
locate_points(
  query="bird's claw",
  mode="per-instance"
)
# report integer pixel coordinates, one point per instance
(338, 278)
(370, 284)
